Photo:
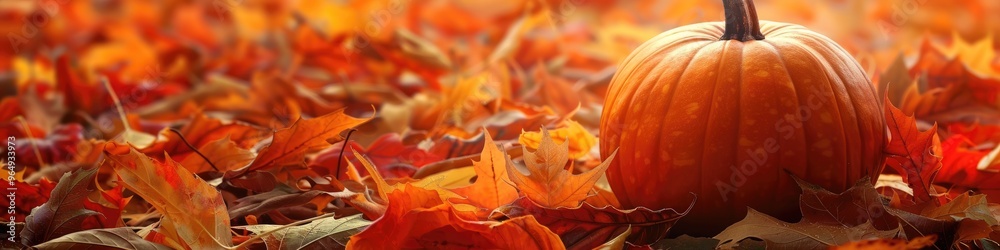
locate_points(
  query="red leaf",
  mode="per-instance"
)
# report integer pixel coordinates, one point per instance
(914, 154)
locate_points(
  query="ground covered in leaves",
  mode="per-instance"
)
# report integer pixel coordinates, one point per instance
(390, 124)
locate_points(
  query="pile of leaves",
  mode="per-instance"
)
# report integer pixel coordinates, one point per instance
(442, 124)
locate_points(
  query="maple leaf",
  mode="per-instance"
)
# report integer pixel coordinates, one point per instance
(326, 233)
(419, 218)
(587, 226)
(194, 212)
(548, 182)
(291, 144)
(112, 238)
(493, 187)
(64, 212)
(915, 155)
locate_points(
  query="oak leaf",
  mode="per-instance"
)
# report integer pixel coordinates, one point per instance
(548, 183)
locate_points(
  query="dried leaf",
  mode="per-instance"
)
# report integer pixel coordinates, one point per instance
(112, 238)
(326, 233)
(64, 212)
(780, 234)
(586, 226)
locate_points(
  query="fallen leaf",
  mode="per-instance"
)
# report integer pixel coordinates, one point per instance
(419, 218)
(586, 226)
(112, 238)
(493, 187)
(548, 182)
(580, 145)
(291, 144)
(914, 154)
(64, 212)
(780, 234)
(194, 212)
(890, 244)
(326, 233)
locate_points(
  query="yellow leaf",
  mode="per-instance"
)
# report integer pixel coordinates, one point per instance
(580, 145)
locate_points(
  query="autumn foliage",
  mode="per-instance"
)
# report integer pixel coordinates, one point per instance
(441, 124)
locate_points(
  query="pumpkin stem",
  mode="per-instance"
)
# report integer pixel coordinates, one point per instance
(741, 21)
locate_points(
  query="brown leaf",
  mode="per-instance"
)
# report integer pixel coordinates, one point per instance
(112, 238)
(64, 212)
(586, 226)
(780, 234)
(326, 233)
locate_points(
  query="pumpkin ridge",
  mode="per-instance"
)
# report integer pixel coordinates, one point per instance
(854, 111)
(668, 98)
(704, 185)
(779, 174)
(631, 96)
(819, 58)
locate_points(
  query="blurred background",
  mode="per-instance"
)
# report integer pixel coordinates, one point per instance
(432, 69)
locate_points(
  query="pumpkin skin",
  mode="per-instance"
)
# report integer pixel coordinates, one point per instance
(724, 120)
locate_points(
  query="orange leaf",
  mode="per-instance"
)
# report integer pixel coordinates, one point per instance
(291, 144)
(914, 154)
(492, 188)
(419, 218)
(194, 212)
(890, 244)
(549, 183)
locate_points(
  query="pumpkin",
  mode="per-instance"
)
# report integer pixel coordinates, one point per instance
(725, 113)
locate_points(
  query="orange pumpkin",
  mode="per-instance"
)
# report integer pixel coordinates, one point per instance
(725, 111)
